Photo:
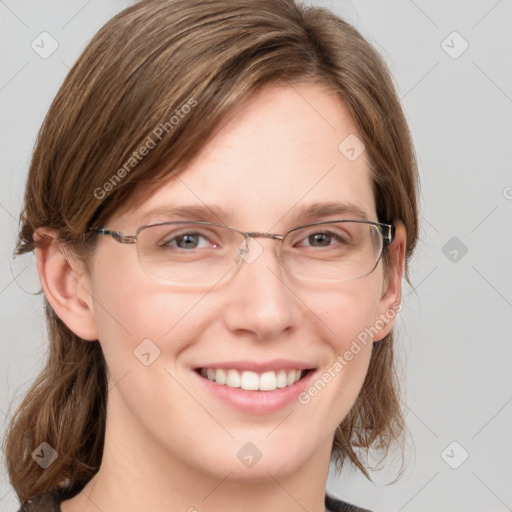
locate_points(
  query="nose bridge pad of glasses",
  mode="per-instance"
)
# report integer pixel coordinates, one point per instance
(249, 250)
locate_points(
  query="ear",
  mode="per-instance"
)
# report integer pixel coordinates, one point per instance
(390, 300)
(66, 284)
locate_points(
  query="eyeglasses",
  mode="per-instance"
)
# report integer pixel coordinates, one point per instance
(203, 253)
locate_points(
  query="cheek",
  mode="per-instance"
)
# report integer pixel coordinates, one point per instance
(345, 318)
(348, 311)
(135, 316)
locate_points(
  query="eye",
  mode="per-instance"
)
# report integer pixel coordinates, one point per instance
(187, 241)
(320, 239)
(324, 239)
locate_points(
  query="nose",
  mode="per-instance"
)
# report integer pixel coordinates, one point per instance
(261, 301)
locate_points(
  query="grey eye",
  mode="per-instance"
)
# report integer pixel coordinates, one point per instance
(187, 241)
(320, 239)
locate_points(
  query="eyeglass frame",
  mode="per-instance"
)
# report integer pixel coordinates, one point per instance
(387, 238)
(387, 232)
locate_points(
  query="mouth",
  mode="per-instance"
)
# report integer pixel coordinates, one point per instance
(255, 387)
(247, 380)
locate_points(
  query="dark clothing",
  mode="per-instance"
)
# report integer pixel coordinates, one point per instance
(50, 502)
(335, 505)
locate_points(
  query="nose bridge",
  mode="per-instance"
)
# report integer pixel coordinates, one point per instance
(261, 301)
(249, 250)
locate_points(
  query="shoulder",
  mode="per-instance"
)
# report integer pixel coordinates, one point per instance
(335, 505)
(49, 502)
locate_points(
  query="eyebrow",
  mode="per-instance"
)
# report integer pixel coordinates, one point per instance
(217, 214)
(331, 209)
(204, 212)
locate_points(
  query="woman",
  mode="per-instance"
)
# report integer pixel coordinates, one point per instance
(222, 201)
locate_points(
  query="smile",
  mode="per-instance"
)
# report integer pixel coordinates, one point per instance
(253, 381)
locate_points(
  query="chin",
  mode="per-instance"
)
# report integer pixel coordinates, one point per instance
(260, 458)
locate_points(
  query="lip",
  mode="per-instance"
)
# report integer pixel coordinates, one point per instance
(257, 402)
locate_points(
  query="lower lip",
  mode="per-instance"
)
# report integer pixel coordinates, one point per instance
(257, 402)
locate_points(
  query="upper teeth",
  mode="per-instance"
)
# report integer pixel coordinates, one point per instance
(252, 381)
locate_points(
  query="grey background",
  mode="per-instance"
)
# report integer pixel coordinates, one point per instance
(455, 326)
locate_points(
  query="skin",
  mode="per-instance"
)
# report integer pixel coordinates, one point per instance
(171, 445)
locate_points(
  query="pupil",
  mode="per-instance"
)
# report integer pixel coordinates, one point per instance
(320, 239)
(187, 241)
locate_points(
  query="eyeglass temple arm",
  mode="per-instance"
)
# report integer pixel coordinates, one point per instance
(388, 233)
(118, 237)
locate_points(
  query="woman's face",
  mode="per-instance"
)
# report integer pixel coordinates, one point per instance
(272, 161)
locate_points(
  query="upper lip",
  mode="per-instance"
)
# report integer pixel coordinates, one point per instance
(259, 367)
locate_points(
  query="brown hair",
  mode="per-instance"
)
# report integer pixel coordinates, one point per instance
(136, 75)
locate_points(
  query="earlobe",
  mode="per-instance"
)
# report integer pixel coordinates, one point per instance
(390, 300)
(65, 282)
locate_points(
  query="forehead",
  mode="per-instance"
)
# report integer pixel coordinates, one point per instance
(274, 157)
